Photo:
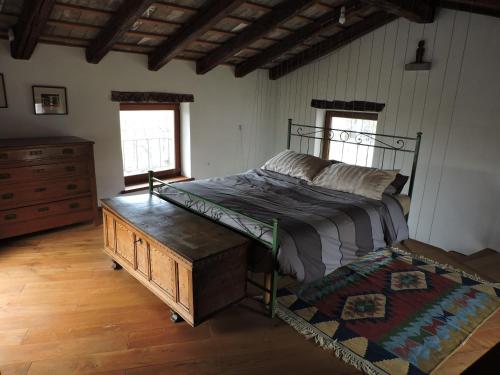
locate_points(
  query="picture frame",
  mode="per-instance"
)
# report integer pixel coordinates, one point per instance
(3, 92)
(50, 100)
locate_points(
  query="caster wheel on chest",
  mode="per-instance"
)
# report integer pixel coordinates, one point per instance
(174, 317)
(116, 266)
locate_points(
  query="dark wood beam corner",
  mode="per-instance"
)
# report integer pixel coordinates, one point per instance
(255, 31)
(485, 7)
(117, 26)
(200, 23)
(355, 105)
(33, 18)
(331, 44)
(328, 19)
(420, 11)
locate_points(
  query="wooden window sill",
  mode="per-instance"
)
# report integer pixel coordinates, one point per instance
(139, 187)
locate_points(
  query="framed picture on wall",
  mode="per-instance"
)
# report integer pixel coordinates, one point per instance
(3, 92)
(50, 100)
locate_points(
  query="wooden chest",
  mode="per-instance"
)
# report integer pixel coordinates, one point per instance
(195, 266)
(45, 183)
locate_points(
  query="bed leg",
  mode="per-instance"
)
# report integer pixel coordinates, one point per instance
(271, 284)
(116, 266)
(274, 289)
(174, 317)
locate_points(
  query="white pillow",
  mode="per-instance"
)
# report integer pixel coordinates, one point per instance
(297, 165)
(368, 182)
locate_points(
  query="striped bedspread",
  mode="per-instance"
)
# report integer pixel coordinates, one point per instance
(320, 229)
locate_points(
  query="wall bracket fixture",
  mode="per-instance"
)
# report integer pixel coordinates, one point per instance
(419, 63)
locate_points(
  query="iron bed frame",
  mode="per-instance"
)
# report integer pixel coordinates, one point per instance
(267, 233)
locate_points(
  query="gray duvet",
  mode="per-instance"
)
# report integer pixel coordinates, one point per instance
(320, 229)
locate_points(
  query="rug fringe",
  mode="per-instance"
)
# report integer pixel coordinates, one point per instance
(328, 344)
(445, 266)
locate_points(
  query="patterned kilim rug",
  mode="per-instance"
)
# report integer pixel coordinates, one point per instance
(390, 312)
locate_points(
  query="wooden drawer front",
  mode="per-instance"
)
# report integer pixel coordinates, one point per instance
(185, 283)
(45, 210)
(142, 256)
(42, 153)
(34, 173)
(109, 231)
(163, 271)
(15, 196)
(124, 243)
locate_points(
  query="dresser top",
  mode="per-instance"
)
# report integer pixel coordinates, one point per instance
(189, 235)
(38, 142)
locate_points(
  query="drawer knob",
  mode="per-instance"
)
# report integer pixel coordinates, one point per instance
(4, 176)
(43, 209)
(40, 189)
(68, 151)
(8, 196)
(4, 156)
(139, 241)
(10, 217)
(71, 186)
(36, 152)
(70, 168)
(74, 205)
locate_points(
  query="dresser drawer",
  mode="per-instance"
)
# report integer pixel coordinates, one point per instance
(33, 154)
(37, 172)
(12, 196)
(44, 210)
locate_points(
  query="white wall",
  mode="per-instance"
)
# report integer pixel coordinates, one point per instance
(222, 103)
(456, 201)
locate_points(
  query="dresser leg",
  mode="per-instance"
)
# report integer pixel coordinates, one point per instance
(116, 266)
(174, 317)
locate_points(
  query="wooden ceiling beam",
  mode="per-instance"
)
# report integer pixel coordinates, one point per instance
(103, 12)
(33, 18)
(267, 8)
(117, 26)
(487, 8)
(420, 11)
(202, 21)
(140, 34)
(299, 37)
(173, 6)
(120, 47)
(335, 42)
(252, 33)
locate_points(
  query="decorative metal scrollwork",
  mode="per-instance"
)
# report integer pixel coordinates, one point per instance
(384, 141)
(254, 228)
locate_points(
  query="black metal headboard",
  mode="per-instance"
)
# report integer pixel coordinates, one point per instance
(389, 151)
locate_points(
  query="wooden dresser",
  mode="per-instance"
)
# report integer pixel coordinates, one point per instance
(45, 183)
(194, 265)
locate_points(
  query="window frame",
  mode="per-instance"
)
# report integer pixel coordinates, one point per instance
(167, 173)
(325, 149)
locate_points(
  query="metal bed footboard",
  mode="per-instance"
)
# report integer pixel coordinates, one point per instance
(266, 234)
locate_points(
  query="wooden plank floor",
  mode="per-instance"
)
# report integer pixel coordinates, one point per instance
(63, 310)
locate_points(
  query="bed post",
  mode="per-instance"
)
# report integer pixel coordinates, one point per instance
(274, 275)
(150, 181)
(415, 161)
(289, 133)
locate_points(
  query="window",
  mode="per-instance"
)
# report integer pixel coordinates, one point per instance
(150, 135)
(351, 151)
